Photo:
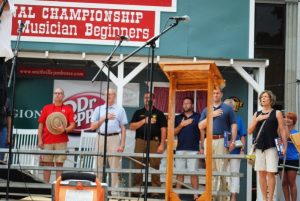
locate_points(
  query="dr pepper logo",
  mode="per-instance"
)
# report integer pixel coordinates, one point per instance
(83, 105)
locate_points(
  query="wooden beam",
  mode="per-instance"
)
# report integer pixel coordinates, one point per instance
(112, 76)
(257, 87)
(134, 73)
(192, 76)
(170, 148)
(208, 187)
(209, 130)
(187, 87)
(180, 68)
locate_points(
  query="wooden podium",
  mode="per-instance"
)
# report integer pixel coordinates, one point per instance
(187, 76)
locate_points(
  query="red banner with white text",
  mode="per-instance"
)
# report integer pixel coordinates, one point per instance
(163, 3)
(99, 22)
(84, 25)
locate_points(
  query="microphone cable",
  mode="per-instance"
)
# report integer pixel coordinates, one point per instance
(22, 171)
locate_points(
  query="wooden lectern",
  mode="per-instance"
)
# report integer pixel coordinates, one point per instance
(187, 76)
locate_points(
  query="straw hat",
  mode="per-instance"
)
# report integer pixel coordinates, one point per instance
(54, 120)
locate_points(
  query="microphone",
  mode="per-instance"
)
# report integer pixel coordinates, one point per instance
(126, 38)
(184, 18)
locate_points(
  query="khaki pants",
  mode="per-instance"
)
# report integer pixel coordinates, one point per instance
(113, 143)
(54, 158)
(140, 147)
(220, 165)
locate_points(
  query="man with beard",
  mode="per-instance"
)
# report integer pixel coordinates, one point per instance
(188, 137)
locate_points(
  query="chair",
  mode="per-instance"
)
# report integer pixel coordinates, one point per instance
(25, 139)
(87, 143)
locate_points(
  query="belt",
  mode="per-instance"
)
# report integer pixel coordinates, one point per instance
(156, 138)
(215, 137)
(109, 134)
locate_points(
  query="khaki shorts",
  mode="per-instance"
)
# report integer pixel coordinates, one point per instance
(54, 158)
(187, 164)
(267, 160)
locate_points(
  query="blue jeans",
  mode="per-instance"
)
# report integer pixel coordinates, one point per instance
(3, 141)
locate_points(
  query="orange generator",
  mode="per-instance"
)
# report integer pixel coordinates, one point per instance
(75, 186)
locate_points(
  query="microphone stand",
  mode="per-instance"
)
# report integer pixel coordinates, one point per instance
(2, 7)
(151, 40)
(100, 70)
(149, 126)
(12, 80)
(106, 63)
(152, 44)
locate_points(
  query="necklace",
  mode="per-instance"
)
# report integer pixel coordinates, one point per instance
(267, 112)
(53, 108)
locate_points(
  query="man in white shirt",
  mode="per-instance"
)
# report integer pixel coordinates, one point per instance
(116, 132)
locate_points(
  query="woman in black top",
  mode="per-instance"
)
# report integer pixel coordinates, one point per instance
(266, 153)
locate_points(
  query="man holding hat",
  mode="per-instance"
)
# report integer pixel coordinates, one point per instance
(55, 122)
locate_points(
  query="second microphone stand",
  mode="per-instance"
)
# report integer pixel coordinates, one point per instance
(106, 63)
(152, 44)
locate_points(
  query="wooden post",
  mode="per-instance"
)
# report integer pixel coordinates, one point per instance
(170, 137)
(208, 183)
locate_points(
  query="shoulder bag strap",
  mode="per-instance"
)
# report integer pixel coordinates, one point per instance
(259, 132)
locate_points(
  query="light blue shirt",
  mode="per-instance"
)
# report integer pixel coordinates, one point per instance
(114, 126)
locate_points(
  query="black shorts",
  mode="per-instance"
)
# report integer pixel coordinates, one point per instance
(294, 163)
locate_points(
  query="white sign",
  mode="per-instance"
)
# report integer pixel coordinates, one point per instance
(85, 96)
(79, 195)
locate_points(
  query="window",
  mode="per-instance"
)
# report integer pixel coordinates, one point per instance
(162, 97)
(270, 44)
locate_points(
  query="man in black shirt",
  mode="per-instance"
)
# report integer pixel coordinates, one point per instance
(157, 138)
